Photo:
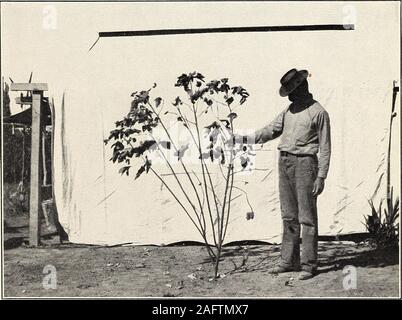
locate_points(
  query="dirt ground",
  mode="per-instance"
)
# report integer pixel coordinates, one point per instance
(183, 271)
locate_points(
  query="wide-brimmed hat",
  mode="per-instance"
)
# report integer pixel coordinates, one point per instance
(291, 80)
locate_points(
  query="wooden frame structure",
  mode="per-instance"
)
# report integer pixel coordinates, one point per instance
(37, 90)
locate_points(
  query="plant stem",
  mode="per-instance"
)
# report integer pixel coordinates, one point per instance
(200, 155)
(192, 183)
(212, 187)
(176, 198)
(210, 251)
(203, 176)
(184, 167)
(229, 186)
(230, 200)
(181, 186)
(216, 269)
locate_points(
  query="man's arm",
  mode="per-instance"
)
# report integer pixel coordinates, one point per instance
(267, 133)
(324, 140)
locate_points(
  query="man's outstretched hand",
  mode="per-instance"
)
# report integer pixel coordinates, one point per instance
(318, 187)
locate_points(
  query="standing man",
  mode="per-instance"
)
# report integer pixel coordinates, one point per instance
(304, 128)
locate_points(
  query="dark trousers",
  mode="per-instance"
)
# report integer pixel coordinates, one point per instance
(299, 208)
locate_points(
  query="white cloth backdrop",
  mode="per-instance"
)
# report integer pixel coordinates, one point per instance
(351, 76)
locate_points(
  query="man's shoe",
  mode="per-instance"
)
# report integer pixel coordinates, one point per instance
(305, 275)
(281, 269)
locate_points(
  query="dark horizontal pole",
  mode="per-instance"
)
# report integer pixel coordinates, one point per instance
(322, 27)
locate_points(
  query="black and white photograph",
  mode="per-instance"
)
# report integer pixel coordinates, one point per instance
(200, 149)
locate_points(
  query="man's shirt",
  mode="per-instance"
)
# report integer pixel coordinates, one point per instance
(303, 130)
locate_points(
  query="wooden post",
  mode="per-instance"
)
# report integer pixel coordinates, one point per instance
(44, 170)
(35, 188)
(395, 91)
(34, 205)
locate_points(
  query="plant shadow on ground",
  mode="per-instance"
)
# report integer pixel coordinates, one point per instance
(332, 257)
(366, 258)
(248, 258)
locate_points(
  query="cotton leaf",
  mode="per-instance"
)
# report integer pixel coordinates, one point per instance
(250, 215)
(117, 146)
(213, 125)
(213, 136)
(232, 115)
(180, 153)
(165, 144)
(217, 153)
(146, 145)
(125, 170)
(229, 100)
(131, 131)
(140, 171)
(198, 94)
(227, 123)
(204, 155)
(209, 102)
(177, 102)
(147, 165)
(223, 158)
(158, 101)
(244, 161)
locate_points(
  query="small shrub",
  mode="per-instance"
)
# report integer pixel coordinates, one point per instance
(383, 225)
(135, 138)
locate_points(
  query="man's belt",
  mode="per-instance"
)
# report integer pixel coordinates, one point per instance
(288, 154)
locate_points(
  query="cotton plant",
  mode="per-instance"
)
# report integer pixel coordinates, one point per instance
(202, 169)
